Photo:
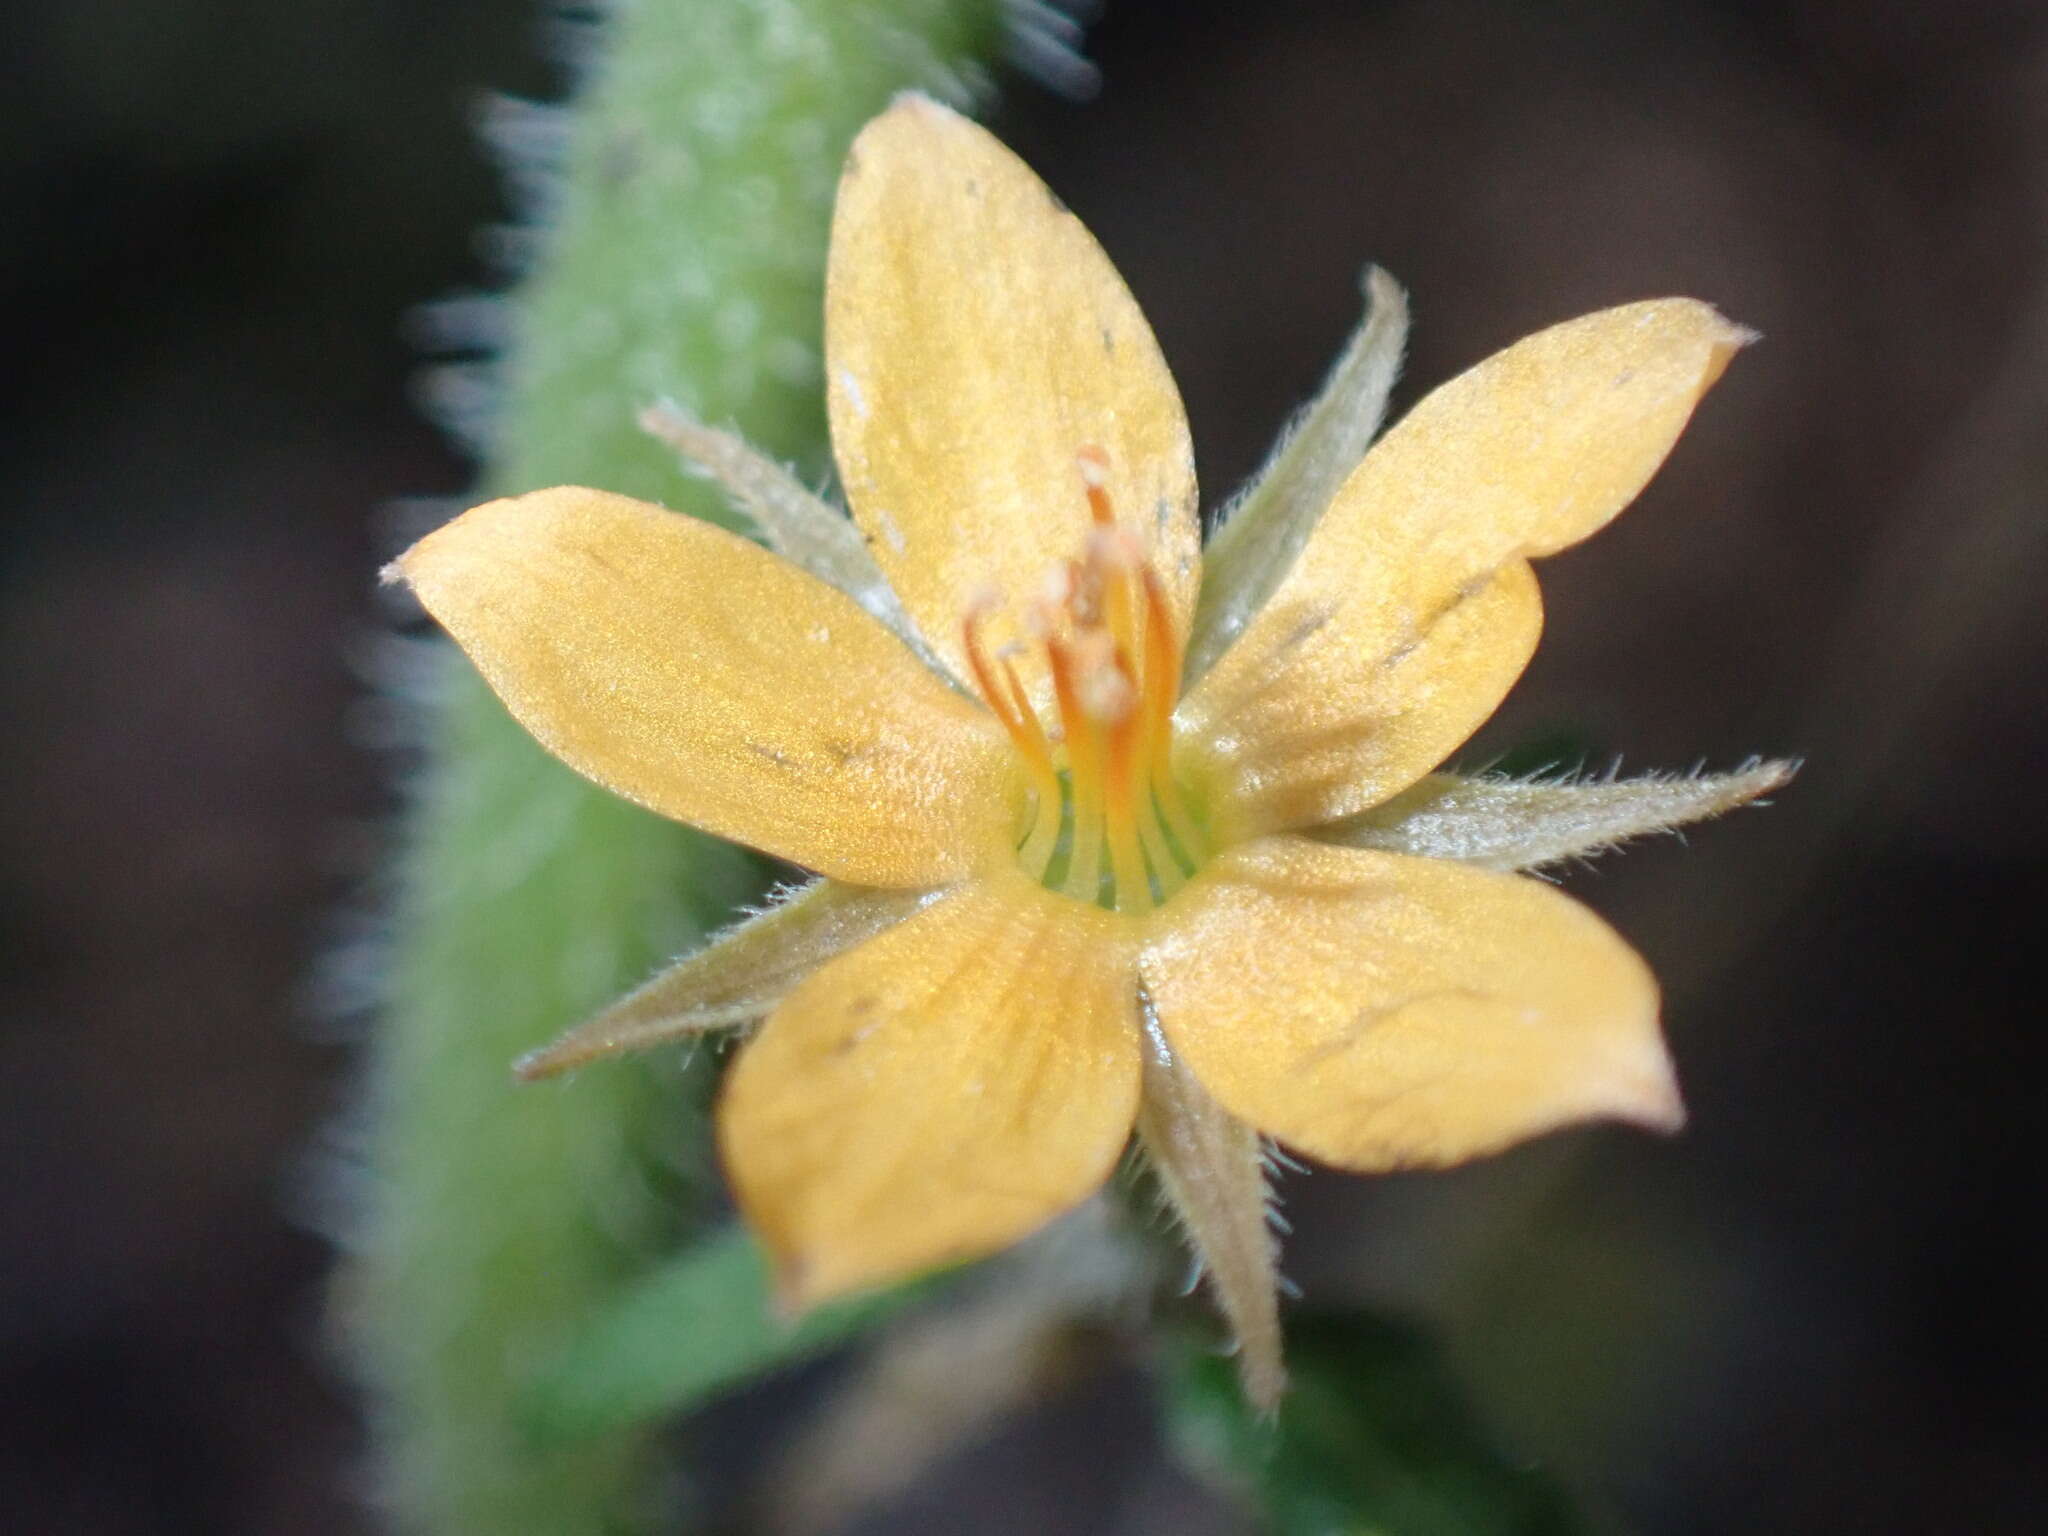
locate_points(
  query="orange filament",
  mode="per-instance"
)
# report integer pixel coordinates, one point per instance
(1102, 776)
(1013, 709)
(1037, 849)
(1124, 787)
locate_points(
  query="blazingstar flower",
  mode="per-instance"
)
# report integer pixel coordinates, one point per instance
(1110, 834)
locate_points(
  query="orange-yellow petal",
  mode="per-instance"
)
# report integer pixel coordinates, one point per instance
(938, 1093)
(1411, 611)
(689, 670)
(976, 341)
(1379, 1011)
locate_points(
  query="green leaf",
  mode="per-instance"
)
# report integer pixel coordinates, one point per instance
(701, 1324)
(1373, 1439)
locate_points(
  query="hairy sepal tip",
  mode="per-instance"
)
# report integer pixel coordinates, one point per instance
(536, 1066)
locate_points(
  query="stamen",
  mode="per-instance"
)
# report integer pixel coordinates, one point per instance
(984, 602)
(1011, 707)
(1102, 679)
(1126, 854)
(1037, 850)
(1114, 558)
(1094, 466)
(1103, 776)
(1055, 591)
(1083, 594)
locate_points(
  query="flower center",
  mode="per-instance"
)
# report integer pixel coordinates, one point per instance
(1109, 823)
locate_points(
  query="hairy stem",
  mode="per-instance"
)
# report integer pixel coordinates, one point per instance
(682, 209)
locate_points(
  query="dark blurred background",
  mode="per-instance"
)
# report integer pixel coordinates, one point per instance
(1815, 1311)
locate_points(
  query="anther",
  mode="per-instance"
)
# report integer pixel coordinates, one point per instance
(1093, 464)
(1117, 549)
(1101, 681)
(1084, 593)
(1056, 587)
(1109, 823)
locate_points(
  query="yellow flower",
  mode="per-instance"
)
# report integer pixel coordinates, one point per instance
(1103, 842)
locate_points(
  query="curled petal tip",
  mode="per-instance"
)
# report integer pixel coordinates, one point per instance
(1645, 1093)
(1732, 337)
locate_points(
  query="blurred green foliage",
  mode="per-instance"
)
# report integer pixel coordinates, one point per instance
(651, 1353)
(1372, 1439)
(678, 216)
